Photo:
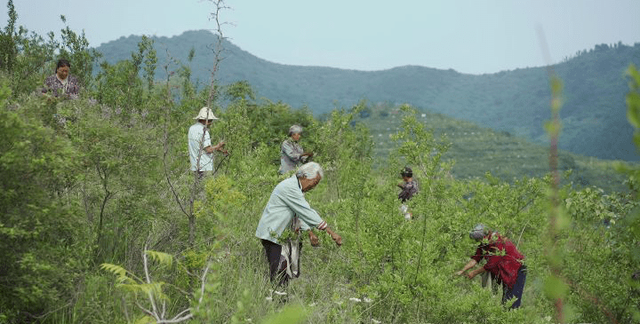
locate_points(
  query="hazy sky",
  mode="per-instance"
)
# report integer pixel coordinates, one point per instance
(469, 36)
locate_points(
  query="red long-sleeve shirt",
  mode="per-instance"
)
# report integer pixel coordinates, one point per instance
(503, 259)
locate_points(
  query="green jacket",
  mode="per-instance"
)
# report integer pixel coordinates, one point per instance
(286, 202)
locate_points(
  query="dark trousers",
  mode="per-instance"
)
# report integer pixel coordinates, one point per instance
(517, 289)
(277, 272)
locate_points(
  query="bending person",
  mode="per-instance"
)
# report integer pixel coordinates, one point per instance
(504, 262)
(288, 209)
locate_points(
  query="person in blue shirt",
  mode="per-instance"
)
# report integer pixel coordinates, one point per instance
(288, 209)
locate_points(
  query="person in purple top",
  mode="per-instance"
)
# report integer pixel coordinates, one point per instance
(61, 83)
(409, 188)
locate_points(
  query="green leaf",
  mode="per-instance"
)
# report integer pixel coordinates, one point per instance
(563, 220)
(289, 315)
(554, 288)
(633, 109)
(556, 85)
(161, 257)
(115, 269)
(145, 320)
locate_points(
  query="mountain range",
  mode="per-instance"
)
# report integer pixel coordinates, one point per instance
(517, 101)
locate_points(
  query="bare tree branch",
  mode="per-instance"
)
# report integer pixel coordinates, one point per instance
(146, 311)
(176, 320)
(148, 278)
(217, 51)
(166, 173)
(204, 282)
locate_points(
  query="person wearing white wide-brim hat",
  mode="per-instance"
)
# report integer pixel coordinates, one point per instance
(200, 148)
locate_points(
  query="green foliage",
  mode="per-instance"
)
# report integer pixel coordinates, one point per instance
(101, 220)
(41, 229)
(27, 57)
(223, 195)
(593, 79)
(150, 60)
(419, 147)
(119, 86)
(75, 48)
(289, 315)
(474, 151)
(7, 46)
(633, 102)
(119, 271)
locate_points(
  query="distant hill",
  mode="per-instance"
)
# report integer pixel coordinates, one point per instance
(478, 150)
(594, 111)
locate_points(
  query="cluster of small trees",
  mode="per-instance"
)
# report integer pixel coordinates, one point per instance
(101, 221)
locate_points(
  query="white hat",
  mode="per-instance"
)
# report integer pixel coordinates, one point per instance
(205, 114)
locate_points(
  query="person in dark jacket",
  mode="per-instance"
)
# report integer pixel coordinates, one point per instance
(409, 188)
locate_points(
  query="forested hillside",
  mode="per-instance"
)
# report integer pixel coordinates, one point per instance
(102, 221)
(478, 150)
(513, 101)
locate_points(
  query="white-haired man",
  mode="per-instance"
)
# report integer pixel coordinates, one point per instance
(291, 153)
(200, 148)
(288, 209)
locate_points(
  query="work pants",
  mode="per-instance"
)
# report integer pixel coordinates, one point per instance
(517, 289)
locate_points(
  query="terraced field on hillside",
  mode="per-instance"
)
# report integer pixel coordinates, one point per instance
(477, 150)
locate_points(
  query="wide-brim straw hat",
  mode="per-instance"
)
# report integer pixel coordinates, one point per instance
(205, 114)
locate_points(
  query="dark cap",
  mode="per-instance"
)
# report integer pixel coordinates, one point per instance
(406, 172)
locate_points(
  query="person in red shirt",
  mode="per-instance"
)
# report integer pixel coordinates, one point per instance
(504, 262)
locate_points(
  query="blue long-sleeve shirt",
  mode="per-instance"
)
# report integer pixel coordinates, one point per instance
(287, 201)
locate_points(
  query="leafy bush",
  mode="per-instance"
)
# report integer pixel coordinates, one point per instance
(99, 188)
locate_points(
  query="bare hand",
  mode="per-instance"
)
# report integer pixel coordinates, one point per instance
(336, 238)
(313, 239)
(459, 273)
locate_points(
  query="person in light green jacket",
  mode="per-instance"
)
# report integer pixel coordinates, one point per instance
(287, 208)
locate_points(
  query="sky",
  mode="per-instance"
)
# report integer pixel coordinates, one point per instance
(469, 36)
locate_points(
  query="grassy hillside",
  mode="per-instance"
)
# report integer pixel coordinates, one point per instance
(513, 101)
(477, 150)
(103, 221)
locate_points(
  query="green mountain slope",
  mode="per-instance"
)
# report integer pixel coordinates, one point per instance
(513, 101)
(477, 150)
